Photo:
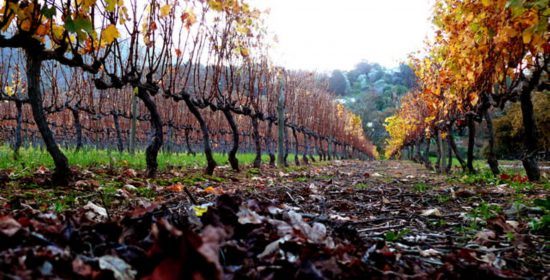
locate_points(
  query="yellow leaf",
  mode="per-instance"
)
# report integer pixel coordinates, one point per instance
(57, 31)
(473, 99)
(245, 52)
(8, 90)
(215, 5)
(527, 35)
(109, 34)
(486, 3)
(165, 10)
(111, 4)
(85, 4)
(199, 210)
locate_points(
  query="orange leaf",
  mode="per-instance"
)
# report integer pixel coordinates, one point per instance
(177, 187)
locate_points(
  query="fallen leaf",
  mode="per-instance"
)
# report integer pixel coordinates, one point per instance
(429, 253)
(82, 269)
(199, 210)
(499, 224)
(121, 270)
(9, 226)
(177, 187)
(212, 238)
(95, 213)
(431, 212)
(130, 188)
(485, 236)
(87, 183)
(273, 247)
(212, 190)
(247, 216)
(129, 173)
(42, 170)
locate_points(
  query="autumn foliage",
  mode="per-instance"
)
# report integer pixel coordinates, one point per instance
(484, 53)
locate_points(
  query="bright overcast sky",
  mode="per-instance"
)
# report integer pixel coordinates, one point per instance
(337, 34)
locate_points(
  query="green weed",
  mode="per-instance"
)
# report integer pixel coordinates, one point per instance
(421, 187)
(392, 236)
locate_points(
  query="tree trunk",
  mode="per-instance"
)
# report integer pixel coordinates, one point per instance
(471, 143)
(281, 124)
(440, 156)
(418, 155)
(268, 143)
(287, 147)
(78, 128)
(329, 149)
(62, 171)
(257, 143)
(427, 161)
(312, 150)
(152, 150)
(211, 163)
(296, 148)
(18, 128)
(189, 150)
(133, 124)
(491, 157)
(306, 149)
(168, 144)
(233, 161)
(454, 148)
(449, 155)
(120, 144)
(529, 137)
(320, 148)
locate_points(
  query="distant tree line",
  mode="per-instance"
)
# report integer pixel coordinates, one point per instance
(372, 92)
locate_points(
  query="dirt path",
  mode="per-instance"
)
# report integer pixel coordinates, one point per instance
(346, 219)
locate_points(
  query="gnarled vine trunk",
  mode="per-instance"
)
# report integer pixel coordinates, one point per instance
(418, 155)
(269, 142)
(18, 137)
(210, 162)
(62, 170)
(312, 150)
(78, 128)
(427, 161)
(120, 145)
(296, 148)
(257, 143)
(287, 147)
(529, 137)
(187, 144)
(233, 161)
(440, 155)
(306, 149)
(152, 150)
(491, 157)
(454, 149)
(471, 144)
(133, 124)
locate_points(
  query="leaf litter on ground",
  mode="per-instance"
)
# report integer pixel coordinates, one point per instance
(322, 228)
